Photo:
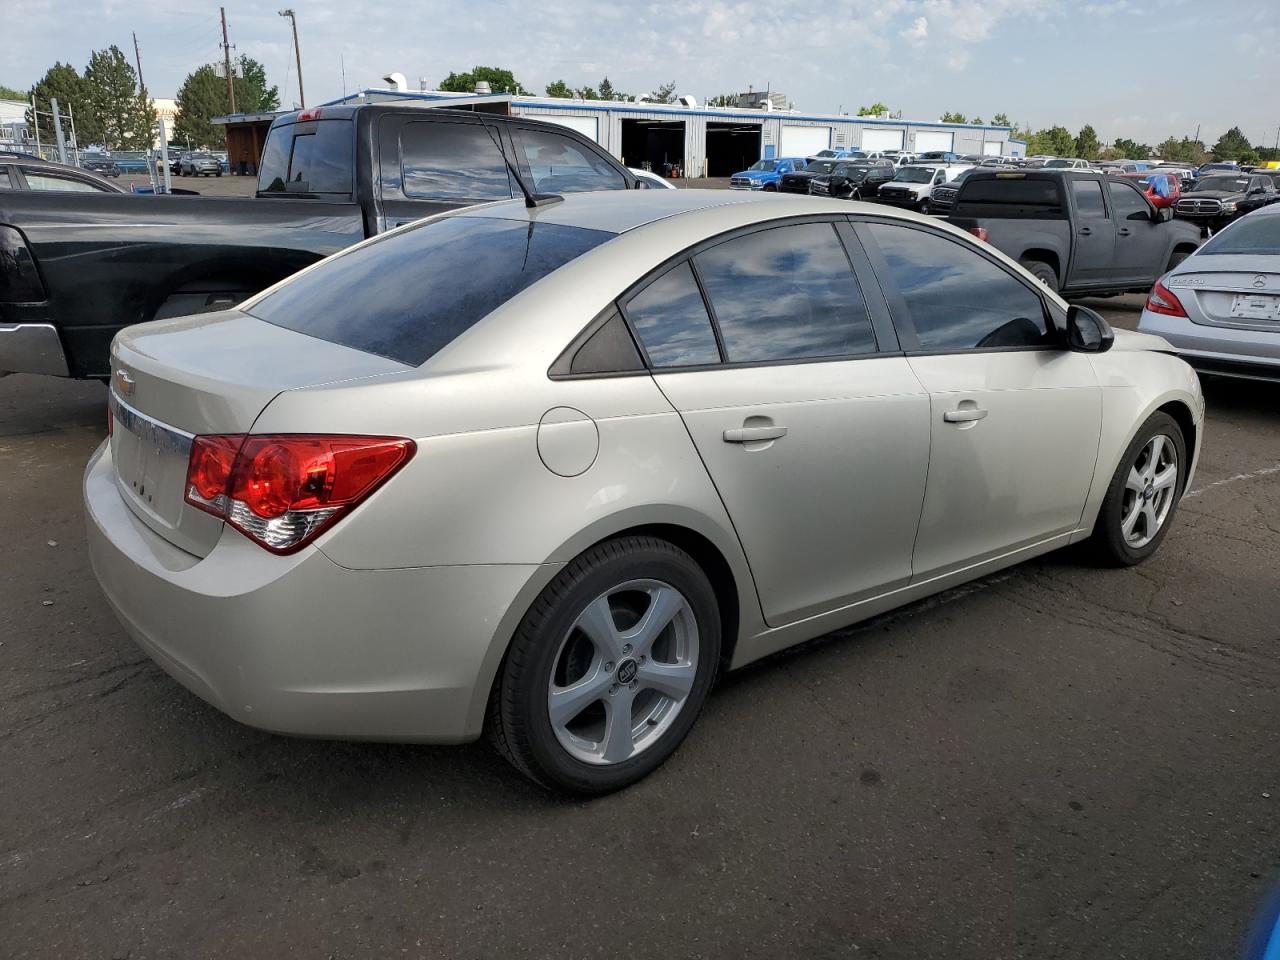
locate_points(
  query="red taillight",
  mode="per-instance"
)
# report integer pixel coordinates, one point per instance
(282, 490)
(1162, 300)
(979, 232)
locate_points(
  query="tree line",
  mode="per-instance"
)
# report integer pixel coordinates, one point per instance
(108, 105)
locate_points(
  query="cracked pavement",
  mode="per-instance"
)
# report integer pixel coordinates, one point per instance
(1058, 761)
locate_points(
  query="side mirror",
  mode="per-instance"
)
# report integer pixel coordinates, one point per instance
(1087, 332)
(1162, 214)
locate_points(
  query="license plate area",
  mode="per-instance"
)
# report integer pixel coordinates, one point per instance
(1255, 306)
(151, 461)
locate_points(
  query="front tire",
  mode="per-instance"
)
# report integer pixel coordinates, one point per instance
(1143, 494)
(609, 669)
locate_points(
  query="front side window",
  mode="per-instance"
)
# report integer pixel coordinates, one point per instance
(452, 161)
(671, 320)
(1128, 202)
(958, 299)
(54, 181)
(560, 164)
(1088, 196)
(788, 293)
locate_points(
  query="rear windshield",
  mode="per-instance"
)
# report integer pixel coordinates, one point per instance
(308, 158)
(1253, 235)
(408, 296)
(1015, 196)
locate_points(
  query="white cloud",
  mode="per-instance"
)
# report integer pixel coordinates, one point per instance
(918, 32)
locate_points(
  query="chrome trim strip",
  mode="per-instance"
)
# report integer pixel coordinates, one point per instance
(32, 348)
(165, 438)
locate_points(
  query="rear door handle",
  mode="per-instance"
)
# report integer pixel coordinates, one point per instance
(1123, 232)
(964, 415)
(1085, 231)
(753, 434)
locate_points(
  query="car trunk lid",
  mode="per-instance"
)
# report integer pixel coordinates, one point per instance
(173, 380)
(1229, 291)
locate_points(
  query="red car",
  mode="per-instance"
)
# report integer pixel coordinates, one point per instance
(1162, 189)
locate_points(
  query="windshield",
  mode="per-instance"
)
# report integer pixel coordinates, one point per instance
(420, 289)
(1057, 164)
(825, 153)
(914, 175)
(1229, 184)
(850, 171)
(1253, 235)
(765, 165)
(819, 166)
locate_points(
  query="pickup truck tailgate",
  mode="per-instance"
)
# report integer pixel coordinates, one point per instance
(173, 380)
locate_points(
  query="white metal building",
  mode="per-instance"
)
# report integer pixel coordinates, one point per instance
(719, 141)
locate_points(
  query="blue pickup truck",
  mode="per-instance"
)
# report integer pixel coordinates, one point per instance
(765, 174)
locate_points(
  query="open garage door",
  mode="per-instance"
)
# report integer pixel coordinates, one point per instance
(926, 141)
(587, 126)
(657, 145)
(731, 147)
(881, 140)
(804, 141)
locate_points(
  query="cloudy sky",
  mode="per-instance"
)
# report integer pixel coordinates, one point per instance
(1139, 68)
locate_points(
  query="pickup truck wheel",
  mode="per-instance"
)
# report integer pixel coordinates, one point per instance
(770, 188)
(1042, 272)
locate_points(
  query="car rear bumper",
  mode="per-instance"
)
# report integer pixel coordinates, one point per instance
(1226, 351)
(300, 645)
(32, 348)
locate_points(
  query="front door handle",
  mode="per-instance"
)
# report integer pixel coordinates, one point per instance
(1085, 231)
(1122, 232)
(964, 415)
(754, 434)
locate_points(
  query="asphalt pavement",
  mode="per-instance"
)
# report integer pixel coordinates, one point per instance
(1057, 761)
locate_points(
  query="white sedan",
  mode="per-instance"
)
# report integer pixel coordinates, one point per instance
(548, 469)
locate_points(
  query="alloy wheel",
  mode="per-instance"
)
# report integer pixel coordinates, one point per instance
(1149, 490)
(624, 671)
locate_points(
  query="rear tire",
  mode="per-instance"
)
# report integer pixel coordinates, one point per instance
(1143, 495)
(587, 651)
(770, 188)
(1042, 272)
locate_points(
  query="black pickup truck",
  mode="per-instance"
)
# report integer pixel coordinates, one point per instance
(77, 267)
(1080, 232)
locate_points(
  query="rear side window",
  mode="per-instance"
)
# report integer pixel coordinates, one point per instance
(450, 161)
(4, 179)
(1012, 197)
(958, 299)
(671, 320)
(1255, 234)
(409, 295)
(788, 293)
(560, 164)
(1088, 197)
(313, 158)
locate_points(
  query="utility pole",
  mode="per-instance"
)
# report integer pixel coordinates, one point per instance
(226, 59)
(137, 57)
(288, 12)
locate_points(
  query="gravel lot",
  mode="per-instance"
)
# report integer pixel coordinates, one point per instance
(1058, 761)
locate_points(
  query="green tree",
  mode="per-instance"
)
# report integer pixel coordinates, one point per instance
(609, 92)
(559, 89)
(950, 117)
(1001, 120)
(499, 79)
(112, 91)
(202, 95)
(1087, 145)
(252, 93)
(666, 93)
(1131, 149)
(874, 110)
(64, 82)
(9, 93)
(723, 100)
(1054, 141)
(1185, 150)
(978, 122)
(1232, 145)
(586, 93)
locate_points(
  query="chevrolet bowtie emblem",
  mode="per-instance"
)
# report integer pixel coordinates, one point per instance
(124, 383)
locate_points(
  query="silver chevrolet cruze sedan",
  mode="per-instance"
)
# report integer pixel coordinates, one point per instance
(1220, 307)
(546, 471)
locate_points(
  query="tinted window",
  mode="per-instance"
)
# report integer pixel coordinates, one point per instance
(672, 322)
(318, 160)
(54, 181)
(409, 295)
(1255, 234)
(959, 300)
(453, 161)
(1013, 195)
(1128, 203)
(786, 294)
(1088, 196)
(562, 165)
(4, 178)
